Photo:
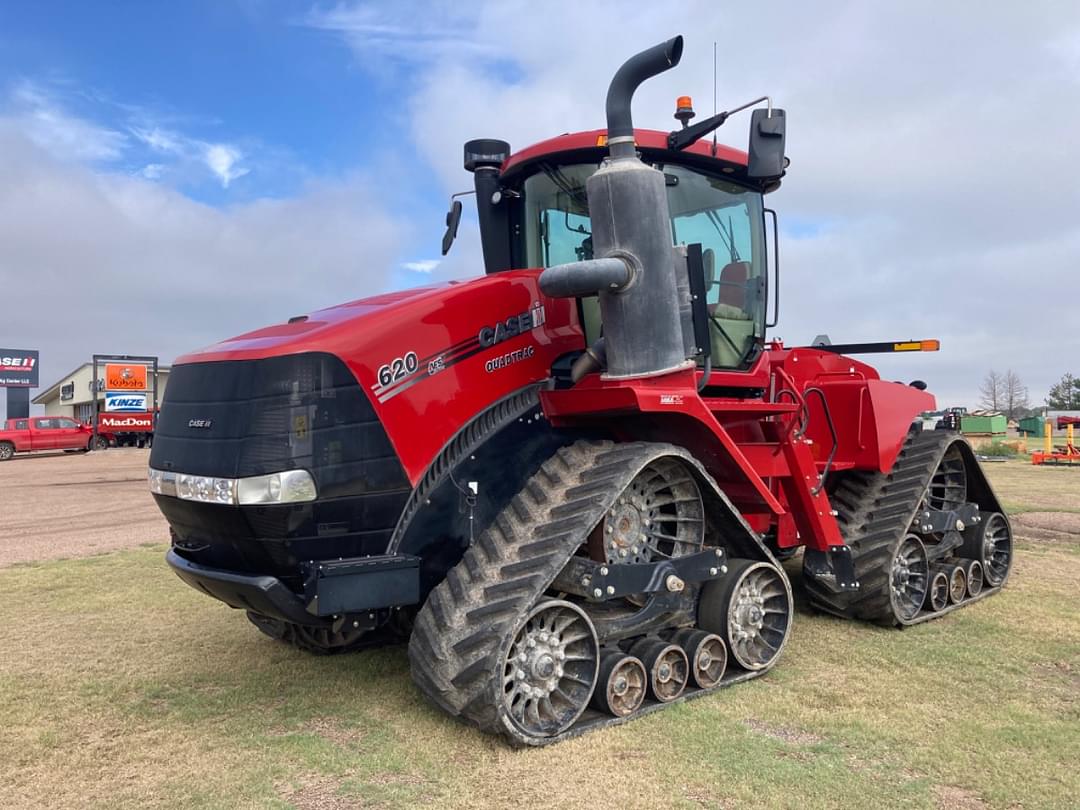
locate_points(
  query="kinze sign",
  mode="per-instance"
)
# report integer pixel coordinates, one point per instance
(131, 422)
(121, 377)
(125, 403)
(18, 368)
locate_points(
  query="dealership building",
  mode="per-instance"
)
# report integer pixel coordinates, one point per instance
(73, 394)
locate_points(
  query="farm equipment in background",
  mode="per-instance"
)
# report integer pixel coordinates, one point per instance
(1067, 455)
(568, 486)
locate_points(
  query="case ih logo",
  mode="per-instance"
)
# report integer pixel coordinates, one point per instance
(18, 368)
(512, 327)
(125, 403)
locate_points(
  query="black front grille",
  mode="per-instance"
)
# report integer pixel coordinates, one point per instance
(241, 418)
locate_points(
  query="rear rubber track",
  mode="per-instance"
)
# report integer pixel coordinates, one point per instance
(875, 511)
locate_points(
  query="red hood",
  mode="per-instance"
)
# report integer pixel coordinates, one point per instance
(322, 330)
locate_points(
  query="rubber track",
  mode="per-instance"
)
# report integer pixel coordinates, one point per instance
(461, 634)
(874, 511)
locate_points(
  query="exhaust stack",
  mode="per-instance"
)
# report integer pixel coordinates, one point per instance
(640, 309)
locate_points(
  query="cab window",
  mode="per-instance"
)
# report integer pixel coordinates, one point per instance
(67, 424)
(724, 217)
(22, 424)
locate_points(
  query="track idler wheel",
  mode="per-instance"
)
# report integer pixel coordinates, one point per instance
(909, 578)
(667, 666)
(991, 544)
(707, 655)
(974, 571)
(550, 669)
(937, 596)
(621, 685)
(750, 609)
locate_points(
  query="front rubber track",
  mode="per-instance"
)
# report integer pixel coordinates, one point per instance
(462, 633)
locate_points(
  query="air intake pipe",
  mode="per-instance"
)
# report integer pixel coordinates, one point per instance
(639, 306)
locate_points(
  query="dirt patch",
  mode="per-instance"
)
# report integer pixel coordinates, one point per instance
(783, 733)
(316, 792)
(76, 505)
(1047, 526)
(950, 797)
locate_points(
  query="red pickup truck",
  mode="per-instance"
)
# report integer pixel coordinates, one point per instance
(47, 433)
(1065, 421)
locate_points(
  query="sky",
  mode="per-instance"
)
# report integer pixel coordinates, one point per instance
(172, 174)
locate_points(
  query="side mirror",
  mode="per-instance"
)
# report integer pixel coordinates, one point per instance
(766, 144)
(453, 218)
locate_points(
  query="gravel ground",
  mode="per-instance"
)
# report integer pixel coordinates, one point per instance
(75, 504)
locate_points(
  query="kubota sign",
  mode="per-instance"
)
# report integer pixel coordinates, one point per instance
(125, 377)
(18, 368)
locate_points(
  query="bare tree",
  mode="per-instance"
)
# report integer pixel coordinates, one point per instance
(992, 391)
(1014, 395)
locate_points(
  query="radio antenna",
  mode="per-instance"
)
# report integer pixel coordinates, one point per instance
(714, 95)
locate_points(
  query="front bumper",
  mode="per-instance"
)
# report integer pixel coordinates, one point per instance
(331, 589)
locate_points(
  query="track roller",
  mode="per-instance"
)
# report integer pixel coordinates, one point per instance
(707, 654)
(937, 595)
(991, 544)
(621, 685)
(973, 570)
(667, 665)
(750, 609)
(957, 584)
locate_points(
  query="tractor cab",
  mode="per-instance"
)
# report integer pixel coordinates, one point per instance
(534, 213)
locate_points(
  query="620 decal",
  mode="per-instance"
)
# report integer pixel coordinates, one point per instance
(398, 369)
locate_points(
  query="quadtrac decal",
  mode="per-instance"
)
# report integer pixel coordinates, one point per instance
(404, 371)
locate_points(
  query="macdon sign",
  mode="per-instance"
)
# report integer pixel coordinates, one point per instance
(133, 422)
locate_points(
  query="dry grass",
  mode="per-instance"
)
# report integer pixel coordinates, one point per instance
(121, 687)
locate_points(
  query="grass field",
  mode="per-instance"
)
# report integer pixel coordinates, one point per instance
(121, 687)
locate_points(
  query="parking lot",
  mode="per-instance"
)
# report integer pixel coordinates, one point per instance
(75, 504)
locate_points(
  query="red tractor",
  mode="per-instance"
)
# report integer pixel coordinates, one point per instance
(570, 482)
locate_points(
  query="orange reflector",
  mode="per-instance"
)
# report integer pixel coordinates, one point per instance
(601, 140)
(684, 102)
(917, 346)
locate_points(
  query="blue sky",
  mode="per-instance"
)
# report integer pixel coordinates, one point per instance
(173, 173)
(225, 101)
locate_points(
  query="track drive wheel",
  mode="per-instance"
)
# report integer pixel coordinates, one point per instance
(750, 609)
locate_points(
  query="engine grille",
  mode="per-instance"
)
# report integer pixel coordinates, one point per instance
(253, 417)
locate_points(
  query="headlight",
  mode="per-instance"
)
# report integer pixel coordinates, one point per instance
(291, 486)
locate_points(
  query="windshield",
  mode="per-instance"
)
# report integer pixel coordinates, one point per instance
(724, 217)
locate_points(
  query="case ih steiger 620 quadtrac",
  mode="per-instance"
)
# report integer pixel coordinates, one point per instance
(570, 486)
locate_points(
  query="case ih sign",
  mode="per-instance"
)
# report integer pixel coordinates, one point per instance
(18, 368)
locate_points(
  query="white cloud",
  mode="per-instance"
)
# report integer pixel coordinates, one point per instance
(935, 143)
(131, 266)
(423, 266)
(152, 171)
(64, 136)
(222, 160)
